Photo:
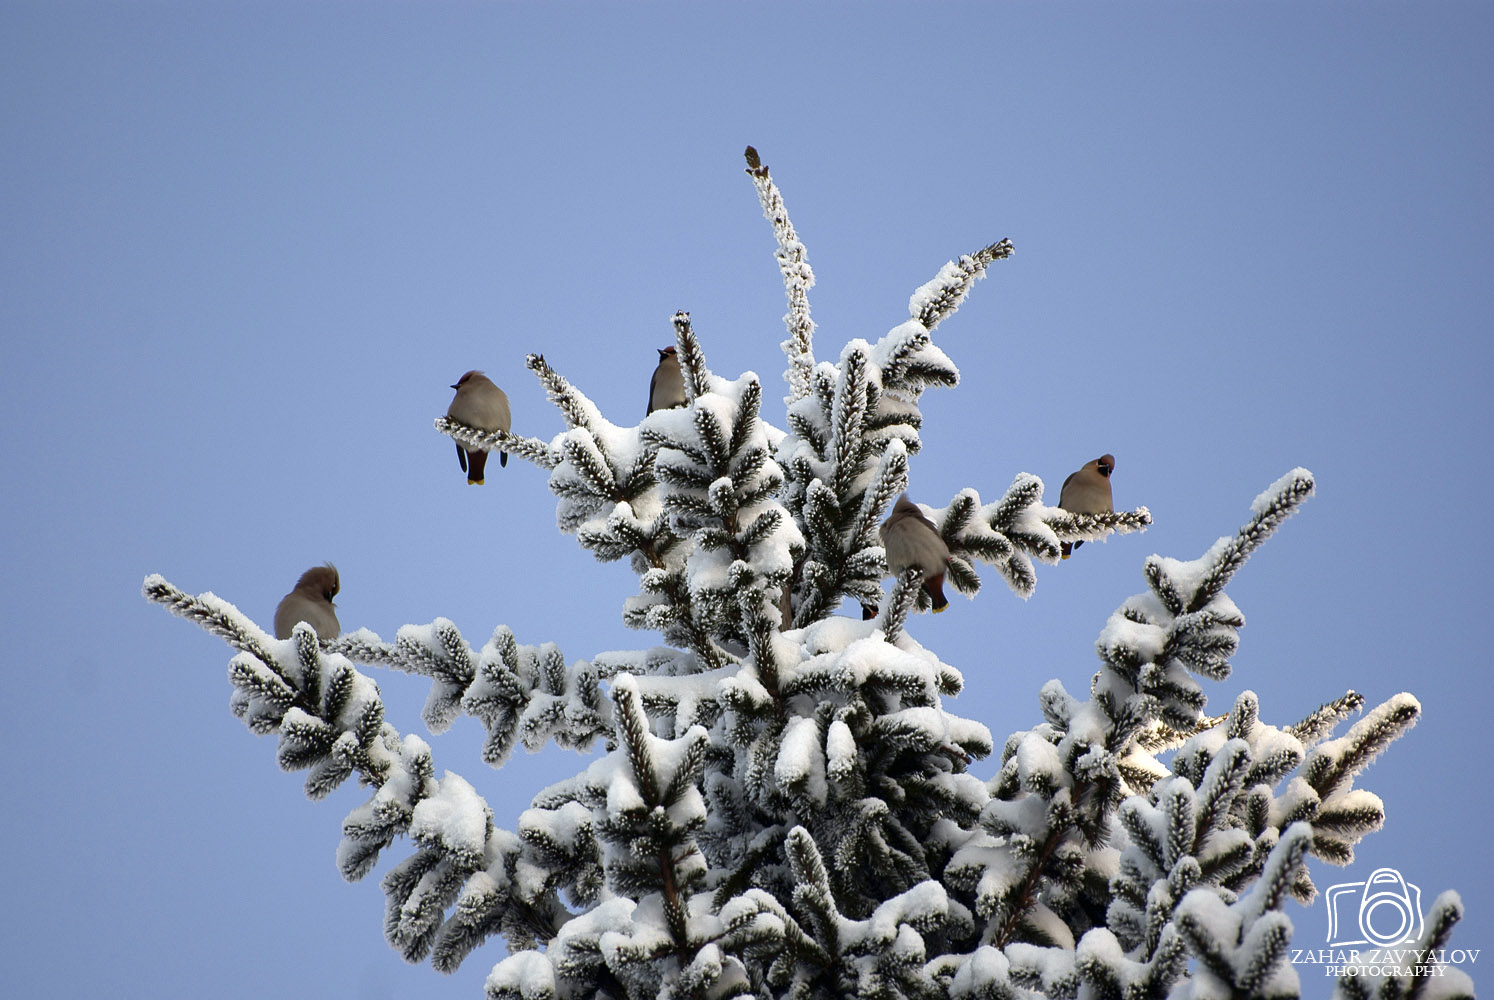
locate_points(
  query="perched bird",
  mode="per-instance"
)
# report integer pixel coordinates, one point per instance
(310, 602)
(1087, 492)
(910, 540)
(666, 389)
(481, 404)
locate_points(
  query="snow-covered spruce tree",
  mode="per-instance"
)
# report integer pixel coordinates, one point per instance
(784, 807)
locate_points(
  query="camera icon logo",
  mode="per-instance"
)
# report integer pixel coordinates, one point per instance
(1382, 910)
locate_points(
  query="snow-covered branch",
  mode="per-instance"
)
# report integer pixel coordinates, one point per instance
(798, 279)
(529, 449)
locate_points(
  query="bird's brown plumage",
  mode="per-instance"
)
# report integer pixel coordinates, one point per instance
(1087, 491)
(481, 404)
(910, 539)
(666, 389)
(310, 601)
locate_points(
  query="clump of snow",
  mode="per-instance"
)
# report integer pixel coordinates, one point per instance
(565, 826)
(1038, 764)
(1047, 965)
(983, 975)
(1026, 815)
(801, 763)
(1122, 637)
(840, 750)
(526, 973)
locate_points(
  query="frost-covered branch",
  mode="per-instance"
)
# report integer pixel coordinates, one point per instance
(528, 448)
(330, 722)
(604, 478)
(1068, 527)
(852, 427)
(894, 612)
(718, 483)
(1188, 587)
(1012, 532)
(940, 298)
(1242, 946)
(519, 693)
(1322, 722)
(1214, 821)
(577, 410)
(692, 357)
(215, 615)
(798, 279)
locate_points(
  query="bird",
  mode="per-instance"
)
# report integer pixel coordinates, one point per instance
(481, 404)
(310, 602)
(910, 539)
(666, 389)
(1087, 492)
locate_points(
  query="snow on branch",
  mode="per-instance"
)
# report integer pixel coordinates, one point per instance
(528, 448)
(330, 721)
(577, 410)
(692, 357)
(798, 278)
(1334, 763)
(520, 693)
(894, 614)
(1015, 530)
(1189, 586)
(214, 615)
(1214, 818)
(1187, 625)
(1070, 527)
(908, 362)
(1322, 721)
(1242, 947)
(940, 297)
(717, 487)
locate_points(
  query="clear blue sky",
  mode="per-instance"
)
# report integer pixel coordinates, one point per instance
(247, 248)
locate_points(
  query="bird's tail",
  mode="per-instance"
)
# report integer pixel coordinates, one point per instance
(477, 461)
(935, 587)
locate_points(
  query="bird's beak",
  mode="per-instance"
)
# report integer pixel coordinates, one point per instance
(453, 387)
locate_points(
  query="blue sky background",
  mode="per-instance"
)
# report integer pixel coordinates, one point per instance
(247, 248)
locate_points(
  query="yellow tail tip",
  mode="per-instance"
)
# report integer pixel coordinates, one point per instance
(479, 482)
(1064, 556)
(941, 609)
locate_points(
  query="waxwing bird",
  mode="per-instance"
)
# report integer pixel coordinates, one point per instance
(910, 540)
(481, 404)
(1087, 492)
(310, 602)
(666, 389)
